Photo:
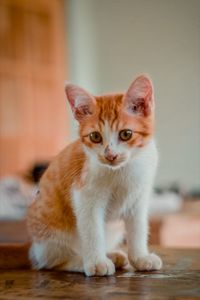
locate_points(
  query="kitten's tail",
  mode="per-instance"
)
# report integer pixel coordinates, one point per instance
(14, 256)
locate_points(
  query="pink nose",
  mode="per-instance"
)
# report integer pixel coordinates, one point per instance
(109, 155)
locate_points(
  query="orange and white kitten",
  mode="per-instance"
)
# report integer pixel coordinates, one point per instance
(105, 175)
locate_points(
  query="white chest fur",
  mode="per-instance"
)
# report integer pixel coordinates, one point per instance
(118, 190)
(132, 183)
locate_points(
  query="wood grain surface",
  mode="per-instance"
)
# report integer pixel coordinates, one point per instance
(179, 279)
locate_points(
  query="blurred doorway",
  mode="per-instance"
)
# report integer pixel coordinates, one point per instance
(33, 119)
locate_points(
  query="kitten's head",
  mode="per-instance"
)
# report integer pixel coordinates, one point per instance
(114, 127)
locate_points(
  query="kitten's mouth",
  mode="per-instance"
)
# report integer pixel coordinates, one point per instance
(112, 163)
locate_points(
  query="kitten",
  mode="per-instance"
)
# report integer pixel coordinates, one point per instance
(105, 175)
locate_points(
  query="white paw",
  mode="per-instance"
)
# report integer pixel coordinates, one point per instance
(149, 262)
(101, 268)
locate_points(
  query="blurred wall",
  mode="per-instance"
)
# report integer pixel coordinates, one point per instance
(110, 42)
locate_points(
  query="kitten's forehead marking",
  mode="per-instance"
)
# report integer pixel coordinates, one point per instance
(109, 109)
(110, 136)
(106, 131)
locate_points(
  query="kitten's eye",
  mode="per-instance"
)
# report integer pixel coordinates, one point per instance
(125, 134)
(95, 137)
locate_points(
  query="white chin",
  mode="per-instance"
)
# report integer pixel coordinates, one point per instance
(114, 166)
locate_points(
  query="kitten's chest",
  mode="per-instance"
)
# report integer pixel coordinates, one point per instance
(122, 194)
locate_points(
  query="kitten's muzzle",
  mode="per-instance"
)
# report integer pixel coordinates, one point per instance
(109, 155)
(112, 161)
(111, 158)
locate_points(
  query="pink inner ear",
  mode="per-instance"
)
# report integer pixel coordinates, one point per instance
(139, 97)
(73, 92)
(81, 102)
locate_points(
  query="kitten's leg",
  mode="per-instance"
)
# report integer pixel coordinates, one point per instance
(137, 236)
(38, 255)
(74, 264)
(55, 254)
(90, 221)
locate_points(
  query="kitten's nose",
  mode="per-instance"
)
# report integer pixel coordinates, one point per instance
(109, 155)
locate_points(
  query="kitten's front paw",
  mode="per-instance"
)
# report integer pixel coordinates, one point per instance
(149, 262)
(101, 268)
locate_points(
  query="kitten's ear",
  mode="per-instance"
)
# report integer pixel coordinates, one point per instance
(139, 97)
(81, 102)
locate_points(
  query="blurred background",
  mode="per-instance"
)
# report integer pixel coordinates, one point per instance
(101, 46)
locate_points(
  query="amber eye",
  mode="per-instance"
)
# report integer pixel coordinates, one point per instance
(95, 137)
(125, 134)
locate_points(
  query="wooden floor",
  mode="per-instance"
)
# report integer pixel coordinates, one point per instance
(179, 279)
